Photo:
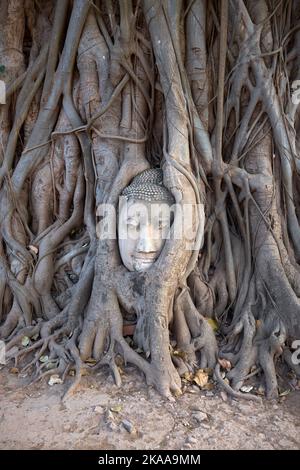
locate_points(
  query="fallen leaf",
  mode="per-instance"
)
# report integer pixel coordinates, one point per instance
(178, 393)
(178, 353)
(55, 379)
(208, 386)
(284, 393)
(91, 360)
(98, 409)
(224, 363)
(116, 409)
(25, 341)
(214, 325)
(44, 359)
(14, 370)
(119, 361)
(246, 388)
(34, 249)
(201, 378)
(188, 377)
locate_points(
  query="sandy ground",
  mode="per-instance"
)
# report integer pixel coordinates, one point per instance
(97, 415)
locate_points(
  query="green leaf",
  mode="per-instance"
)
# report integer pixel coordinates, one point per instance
(44, 359)
(2, 68)
(116, 409)
(25, 341)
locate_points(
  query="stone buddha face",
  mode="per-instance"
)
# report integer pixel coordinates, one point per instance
(145, 218)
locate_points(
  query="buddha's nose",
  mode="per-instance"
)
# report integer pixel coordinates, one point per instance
(146, 243)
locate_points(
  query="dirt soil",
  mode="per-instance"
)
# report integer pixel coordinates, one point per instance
(101, 416)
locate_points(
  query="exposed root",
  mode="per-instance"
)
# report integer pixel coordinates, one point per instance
(231, 392)
(96, 96)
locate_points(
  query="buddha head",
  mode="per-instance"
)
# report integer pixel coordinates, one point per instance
(145, 218)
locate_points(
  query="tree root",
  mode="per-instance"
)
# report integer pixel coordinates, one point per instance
(231, 392)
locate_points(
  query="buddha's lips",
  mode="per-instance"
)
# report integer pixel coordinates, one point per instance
(145, 259)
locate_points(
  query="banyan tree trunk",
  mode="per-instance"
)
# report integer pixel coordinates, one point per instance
(97, 92)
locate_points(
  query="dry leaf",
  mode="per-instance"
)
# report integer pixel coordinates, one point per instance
(178, 393)
(178, 353)
(224, 363)
(119, 361)
(91, 360)
(246, 388)
(98, 409)
(34, 249)
(14, 370)
(284, 393)
(116, 409)
(55, 379)
(208, 386)
(201, 378)
(188, 376)
(121, 371)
